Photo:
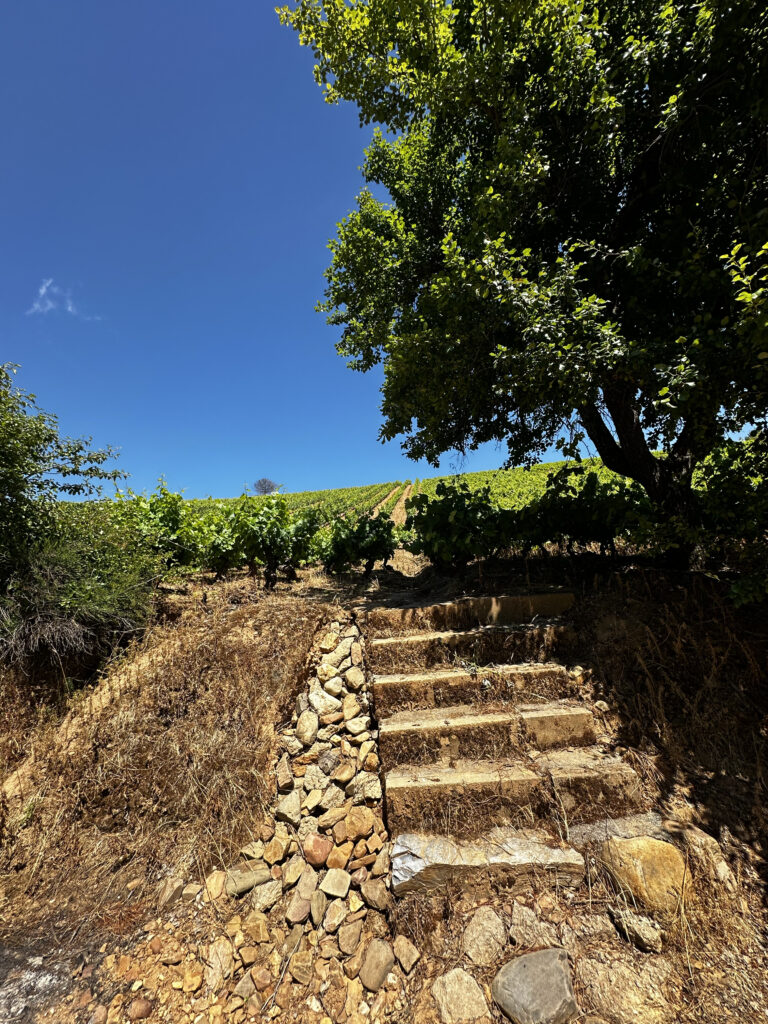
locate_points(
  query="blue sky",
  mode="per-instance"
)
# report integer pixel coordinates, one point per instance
(170, 178)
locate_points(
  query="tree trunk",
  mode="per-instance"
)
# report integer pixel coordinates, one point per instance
(667, 482)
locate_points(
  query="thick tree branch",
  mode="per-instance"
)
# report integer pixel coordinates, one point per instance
(626, 419)
(607, 447)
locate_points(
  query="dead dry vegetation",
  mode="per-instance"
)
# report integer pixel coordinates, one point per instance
(163, 769)
(160, 768)
(687, 674)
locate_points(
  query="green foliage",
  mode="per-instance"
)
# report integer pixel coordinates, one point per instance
(211, 541)
(84, 589)
(221, 535)
(37, 467)
(733, 506)
(269, 534)
(349, 542)
(72, 582)
(161, 519)
(457, 525)
(580, 508)
(575, 235)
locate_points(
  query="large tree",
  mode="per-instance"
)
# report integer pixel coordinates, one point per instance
(574, 239)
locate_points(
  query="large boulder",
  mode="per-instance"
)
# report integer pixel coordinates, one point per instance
(653, 872)
(536, 989)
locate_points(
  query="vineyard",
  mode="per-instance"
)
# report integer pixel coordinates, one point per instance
(509, 488)
(565, 507)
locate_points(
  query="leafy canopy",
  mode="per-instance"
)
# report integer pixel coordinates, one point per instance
(576, 235)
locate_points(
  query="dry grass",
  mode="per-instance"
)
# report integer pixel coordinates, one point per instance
(162, 768)
(686, 674)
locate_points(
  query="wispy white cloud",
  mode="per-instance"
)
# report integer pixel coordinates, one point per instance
(51, 298)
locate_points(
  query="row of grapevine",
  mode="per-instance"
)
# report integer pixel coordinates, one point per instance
(260, 532)
(386, 507)
(454, 522)
(510, 488)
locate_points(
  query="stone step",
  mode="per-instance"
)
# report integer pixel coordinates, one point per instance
(509, 857)
(435, 734)
(490, 684)
(557, 725)
(458, 800)
(464, 798)
(588, 783)
(468, 612)
(481, 646)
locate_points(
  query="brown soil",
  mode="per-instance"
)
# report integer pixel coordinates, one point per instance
(398, 512)
(381, 504)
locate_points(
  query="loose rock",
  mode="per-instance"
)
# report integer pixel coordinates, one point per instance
(406, 953)
(284, 775)
(220, 963)
(376, 894)
(336, 883)
(640, 931)
(239, 881)
(266, 896)
(306, 728)
(289, 808)
(140, 1009)
(317, 907)
(536, 989)
(349, 937)
(459, 998)
(377, 963)
(485, 937)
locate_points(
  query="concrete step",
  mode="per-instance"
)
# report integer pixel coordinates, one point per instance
(535, 642)
(588, 784)
(507, 857)
(465, 798)
(490, 684)
(468, 612)
(557, 725)
(460, 800)
(435, 734)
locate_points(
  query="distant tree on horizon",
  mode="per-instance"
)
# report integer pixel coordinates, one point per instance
(266, 486)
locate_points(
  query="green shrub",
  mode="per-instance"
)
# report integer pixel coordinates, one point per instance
(83, 591)
(164, 521)
(581, 508)
(263, 530)
(457, 525)
(368, 539)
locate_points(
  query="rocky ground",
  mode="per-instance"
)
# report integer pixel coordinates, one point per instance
(302, 925)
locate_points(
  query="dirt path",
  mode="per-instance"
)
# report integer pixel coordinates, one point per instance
(381, 504)
(398, 512)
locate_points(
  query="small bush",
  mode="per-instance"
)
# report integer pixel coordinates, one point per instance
(457, 525)
(349, 542)
(83, 591)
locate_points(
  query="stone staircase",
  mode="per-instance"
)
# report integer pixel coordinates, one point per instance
(488, 750)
